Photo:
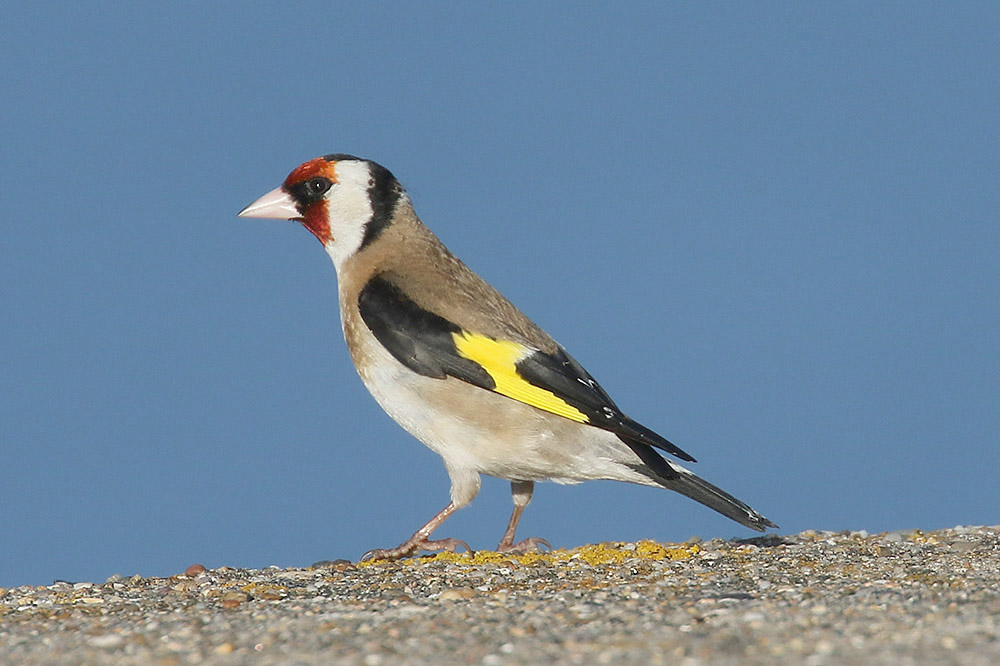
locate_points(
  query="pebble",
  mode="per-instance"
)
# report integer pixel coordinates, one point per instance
(194, 570)
(819, 597)
(455, 594)
(106, 641)
(233, 599)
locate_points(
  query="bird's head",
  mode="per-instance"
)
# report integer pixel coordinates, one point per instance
(344, 201)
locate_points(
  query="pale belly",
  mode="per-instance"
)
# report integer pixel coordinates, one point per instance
(477, 430)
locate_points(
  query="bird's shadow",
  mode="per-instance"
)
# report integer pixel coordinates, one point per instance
(765, 541)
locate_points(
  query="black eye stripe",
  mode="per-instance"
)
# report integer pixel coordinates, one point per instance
(318, 186)
(312, 190)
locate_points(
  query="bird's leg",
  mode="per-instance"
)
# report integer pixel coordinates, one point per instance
(520, 492)
(420, 541)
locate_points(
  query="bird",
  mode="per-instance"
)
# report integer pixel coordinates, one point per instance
(459, 367)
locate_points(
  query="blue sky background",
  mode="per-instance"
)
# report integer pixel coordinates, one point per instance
(771, 232)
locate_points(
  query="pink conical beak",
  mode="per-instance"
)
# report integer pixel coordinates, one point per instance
(276, 204)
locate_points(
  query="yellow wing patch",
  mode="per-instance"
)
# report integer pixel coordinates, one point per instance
(499, 358)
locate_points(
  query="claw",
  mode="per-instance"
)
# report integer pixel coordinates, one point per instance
(412, 546)
(420, 541)
(529, 545)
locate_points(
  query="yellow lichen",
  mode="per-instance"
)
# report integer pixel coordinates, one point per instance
(258, 589)
(594, 555)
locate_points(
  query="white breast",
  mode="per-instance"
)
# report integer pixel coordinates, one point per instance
(478, 431)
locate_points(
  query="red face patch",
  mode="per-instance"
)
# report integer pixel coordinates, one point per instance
(317, 167)
(316, 215)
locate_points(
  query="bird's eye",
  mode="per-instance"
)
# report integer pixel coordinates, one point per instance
(316, 187)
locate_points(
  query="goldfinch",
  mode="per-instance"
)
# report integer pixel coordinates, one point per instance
(458, 366)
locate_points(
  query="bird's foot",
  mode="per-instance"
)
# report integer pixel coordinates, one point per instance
(529, 545)
(413, 546)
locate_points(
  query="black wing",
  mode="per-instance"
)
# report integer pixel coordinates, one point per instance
(427, 343)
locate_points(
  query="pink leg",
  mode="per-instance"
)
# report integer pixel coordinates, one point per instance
(521, 493)
(420, 541)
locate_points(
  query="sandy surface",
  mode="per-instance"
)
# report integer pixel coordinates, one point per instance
(811, 598)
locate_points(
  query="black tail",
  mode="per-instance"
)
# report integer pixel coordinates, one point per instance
(716, 498)
(675, 477)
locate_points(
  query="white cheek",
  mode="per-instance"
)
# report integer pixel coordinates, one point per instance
(350, 209)
(347, 228)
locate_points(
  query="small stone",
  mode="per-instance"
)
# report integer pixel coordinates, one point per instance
(106, 641)
(271, 594)
(456, 593)
(961, 529)
(334, 565)
(194, 570)
(225, 648)
(234, 599)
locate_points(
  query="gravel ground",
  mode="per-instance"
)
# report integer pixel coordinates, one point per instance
(813, 598)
